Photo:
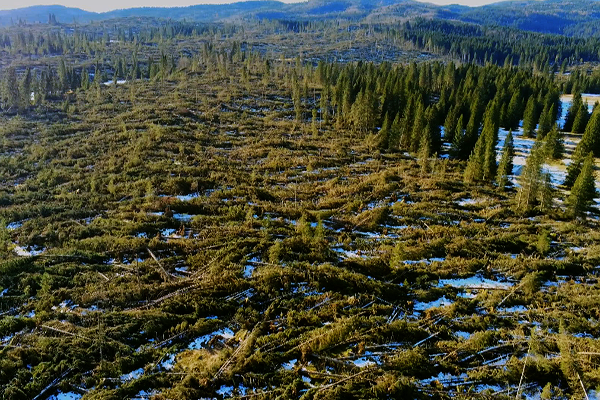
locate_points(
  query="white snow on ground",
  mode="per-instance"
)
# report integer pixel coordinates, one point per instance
(441, 302)
(29, 251)
(168, 363)
(476, 281)
(14, 225)
(443, 378)
(202, 341)
(119, 82)
(466, 202)
(65, 396)
(133, 375)
(364, 361)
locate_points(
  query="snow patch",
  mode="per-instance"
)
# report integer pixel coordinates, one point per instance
(202, 341)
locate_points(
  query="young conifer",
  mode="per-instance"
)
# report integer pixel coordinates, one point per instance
(506, 161)
(584, 189)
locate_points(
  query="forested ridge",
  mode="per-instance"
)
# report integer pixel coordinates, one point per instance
(279, 208)
(574, 18)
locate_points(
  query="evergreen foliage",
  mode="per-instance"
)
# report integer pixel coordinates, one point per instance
(505, 166)
(583, 190)
(590, 142)
(530, 117)
(555, 144)
(576, 104)
(532, 180)
(581, 119)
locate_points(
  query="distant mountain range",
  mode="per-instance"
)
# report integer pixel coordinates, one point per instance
(569, 17)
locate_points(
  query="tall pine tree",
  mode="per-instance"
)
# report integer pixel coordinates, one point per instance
(506, 161)
(581, 119)
(554, 143)
(546, 120)
(589, 142)
(584, 189)
(531, 180)
(572, 112)
(529, 118)
(482, 161)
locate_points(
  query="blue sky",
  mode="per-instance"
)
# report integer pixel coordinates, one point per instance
(107, 5)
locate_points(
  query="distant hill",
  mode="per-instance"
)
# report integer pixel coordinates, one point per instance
(39, 14)
(569, 17)
(202, 12)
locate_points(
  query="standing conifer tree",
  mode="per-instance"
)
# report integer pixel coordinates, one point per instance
(546, 120)
(470, 137)
(530, 180)
(506, 161)
(589, 142)
(85, 79)
(572, 112)
(581, 119)
(11, 88)
(529, 118)
(584, 190)
(482, 161)
(450, 124)
(62, 75)
(406, 124)
(25, 96)
(418, 128)
(513, 111)
(458, 139)
(554, 143)
(474, 170)
(490, 129)
(383, 137)
(363, 111)
(432, 130)
(325, 105)
(546, 196)
(395, 132)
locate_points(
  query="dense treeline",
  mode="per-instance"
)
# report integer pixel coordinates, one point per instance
(406, 101)
(472, 43)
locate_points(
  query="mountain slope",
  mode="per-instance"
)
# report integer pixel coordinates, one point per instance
(571, 17)
(202, 12)
(39, 14)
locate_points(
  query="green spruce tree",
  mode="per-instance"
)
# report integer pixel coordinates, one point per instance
(546, 120)
(418, 128)
(572, 112)
(458, 139)
(513, 111)
(554, 143)
(383, 137)
(482, 161)
(589, 142)
(395, 132)
(584, 189)
(581, 119)
(506, 161)
(531, 180)
(529, 118)
(406, 124)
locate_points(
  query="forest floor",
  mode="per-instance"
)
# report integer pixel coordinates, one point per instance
(213, 247)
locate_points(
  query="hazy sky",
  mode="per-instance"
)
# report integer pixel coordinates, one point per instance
(107, 5)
